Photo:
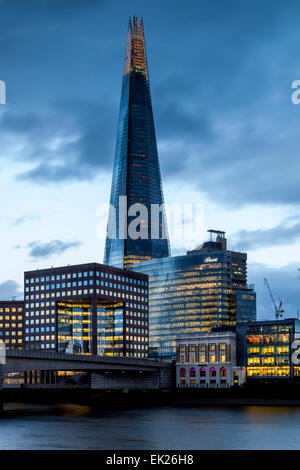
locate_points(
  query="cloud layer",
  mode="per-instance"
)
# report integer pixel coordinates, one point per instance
(38, 249)
(10, 289)
(222, 108)
(285, 233)
(221, 75)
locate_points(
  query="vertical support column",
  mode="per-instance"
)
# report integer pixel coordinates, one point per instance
(94, 325)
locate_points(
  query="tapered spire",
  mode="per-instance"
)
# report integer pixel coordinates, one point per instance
(136, 173)
(136, 59)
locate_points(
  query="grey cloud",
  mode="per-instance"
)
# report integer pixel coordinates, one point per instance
(221, 92)
(178, 122)
(9, 289)
(283, 234)
(47, 173)
(63, 145)
(24, 218)
(39, 249)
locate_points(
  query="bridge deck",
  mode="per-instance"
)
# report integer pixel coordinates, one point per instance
(17, 361)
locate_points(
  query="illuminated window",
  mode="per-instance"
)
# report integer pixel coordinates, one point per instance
(192, 358)
(296, 371)
(283, 371)
(253, 372)
(268, 360)
(268, 350)
(282, 349)
(253, 361)
(254, 339)
(253, 350)
(202, 358)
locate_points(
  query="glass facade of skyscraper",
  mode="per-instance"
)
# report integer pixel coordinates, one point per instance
(136, 172)
(195, 293)
(245, 304)
(188, 294)
(74, 326)
(110, 328)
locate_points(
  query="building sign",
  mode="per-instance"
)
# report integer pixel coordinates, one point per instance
(208, 259)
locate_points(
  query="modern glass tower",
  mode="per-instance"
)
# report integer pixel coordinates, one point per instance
(195, 293)
(132, 234)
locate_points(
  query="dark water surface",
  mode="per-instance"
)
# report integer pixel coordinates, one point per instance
(70, 426)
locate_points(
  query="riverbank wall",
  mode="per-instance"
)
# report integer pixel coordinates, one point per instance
(259, 396)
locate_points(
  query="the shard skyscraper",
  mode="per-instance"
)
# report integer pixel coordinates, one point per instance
(134, 235)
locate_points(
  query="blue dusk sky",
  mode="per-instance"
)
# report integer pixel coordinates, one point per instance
(227, 131)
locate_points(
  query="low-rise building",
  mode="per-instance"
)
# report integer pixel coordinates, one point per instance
(12, 323)
(269, 350)
(208, 360)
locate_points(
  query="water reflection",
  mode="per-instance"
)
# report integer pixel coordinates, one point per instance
(72, 409)
(73, 426)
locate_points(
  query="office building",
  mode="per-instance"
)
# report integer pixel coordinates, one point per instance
(12, 323)
(208, 360)
(136, 172)
(194, 293)
(87, 309)
(268, 350)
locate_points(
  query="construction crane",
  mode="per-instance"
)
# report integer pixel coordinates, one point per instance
(278, 310)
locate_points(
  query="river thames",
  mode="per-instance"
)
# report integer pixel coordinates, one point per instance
(70, 426)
